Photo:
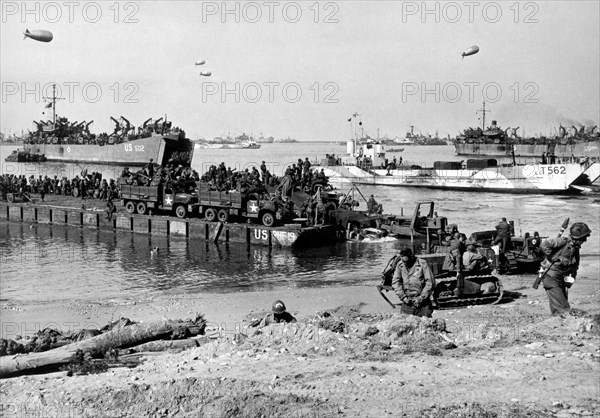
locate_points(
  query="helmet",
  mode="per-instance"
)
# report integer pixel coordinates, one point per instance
(406, 252)
(278, 307)
(580, 230)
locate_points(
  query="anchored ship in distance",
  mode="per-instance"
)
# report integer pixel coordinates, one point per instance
(494, 141)
(242, 141)
(60, 140)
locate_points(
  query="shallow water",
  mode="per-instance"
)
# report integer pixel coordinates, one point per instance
(49, 262)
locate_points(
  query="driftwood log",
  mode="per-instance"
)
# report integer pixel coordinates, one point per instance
(162, 345)
(118, 337)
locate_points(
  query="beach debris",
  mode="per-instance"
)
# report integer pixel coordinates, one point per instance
(120, 334)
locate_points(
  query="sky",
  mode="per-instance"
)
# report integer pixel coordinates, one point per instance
(302, 69)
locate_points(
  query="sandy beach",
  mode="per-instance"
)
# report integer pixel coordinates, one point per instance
(509, 359)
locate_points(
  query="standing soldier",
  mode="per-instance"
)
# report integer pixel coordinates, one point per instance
(503, 235)
(559, 269)
(413, 282)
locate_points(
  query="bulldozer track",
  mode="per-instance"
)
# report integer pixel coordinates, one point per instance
(479, 300)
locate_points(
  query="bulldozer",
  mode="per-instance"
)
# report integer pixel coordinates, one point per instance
(452, 288)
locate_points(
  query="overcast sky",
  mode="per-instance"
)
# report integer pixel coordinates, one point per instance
(301, 69)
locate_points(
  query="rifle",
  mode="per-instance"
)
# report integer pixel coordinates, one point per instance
(541, 275)
(380, 288)
(386, 278)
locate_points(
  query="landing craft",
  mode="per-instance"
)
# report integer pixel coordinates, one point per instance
(471, 51)
(38, 35)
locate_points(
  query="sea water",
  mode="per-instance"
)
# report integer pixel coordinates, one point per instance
(48, 262)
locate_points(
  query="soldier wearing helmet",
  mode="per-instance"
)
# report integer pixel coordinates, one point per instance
(413, 282)
(278, 315)
(503, 233)
(561, 265)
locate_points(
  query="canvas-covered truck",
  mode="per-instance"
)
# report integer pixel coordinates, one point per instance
(222, 206)
(141, 199)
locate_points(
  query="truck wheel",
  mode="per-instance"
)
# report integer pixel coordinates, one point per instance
(223, 215)
(75, 192)
(181, 211)
(141, 208)
(268, 219)
(210, 214)
(130, 207)
(10, 197)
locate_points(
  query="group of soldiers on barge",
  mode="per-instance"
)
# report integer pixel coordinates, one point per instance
(86, 186)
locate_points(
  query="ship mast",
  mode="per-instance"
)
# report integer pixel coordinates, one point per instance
(483, 112)
(352, 121)
(53, 100)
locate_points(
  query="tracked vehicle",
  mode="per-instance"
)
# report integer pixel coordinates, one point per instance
(452, 288)
(523, 256)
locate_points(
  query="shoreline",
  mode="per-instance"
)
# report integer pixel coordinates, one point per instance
(544, 365)
(236, 306)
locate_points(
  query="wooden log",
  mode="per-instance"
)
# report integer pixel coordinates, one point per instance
(118, 337)
(162, 345)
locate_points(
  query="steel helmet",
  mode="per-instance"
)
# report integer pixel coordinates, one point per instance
(278, 307)
(580, 230)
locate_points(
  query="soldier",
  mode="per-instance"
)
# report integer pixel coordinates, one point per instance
(149, 169)
(320, 212)
(559, 269)
(110, 209)
(278, 315)
(306, 209)
(374, 207)
(503, 235)
(473, 261)
(413, 282)
(453, 261)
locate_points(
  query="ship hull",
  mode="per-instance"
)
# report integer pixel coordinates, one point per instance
(530, 179)
(227, 146)
(579, 149)
(131, 153)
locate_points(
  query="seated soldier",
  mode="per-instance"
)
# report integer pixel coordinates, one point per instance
(473, 261)
(373, 207)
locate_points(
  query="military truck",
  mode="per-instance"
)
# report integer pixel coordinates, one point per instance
(140, 199)
(222, 206)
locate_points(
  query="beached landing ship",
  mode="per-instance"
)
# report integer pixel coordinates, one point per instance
(63, 141)
(368, 165)
(60, 140)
